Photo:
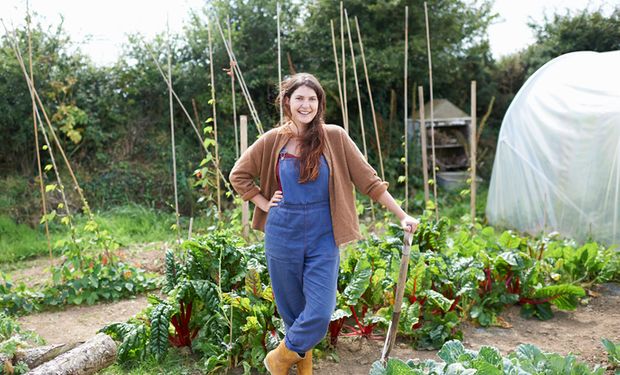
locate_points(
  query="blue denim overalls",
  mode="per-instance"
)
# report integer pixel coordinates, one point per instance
(302, 256)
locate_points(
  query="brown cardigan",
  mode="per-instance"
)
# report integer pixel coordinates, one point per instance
(347, 168)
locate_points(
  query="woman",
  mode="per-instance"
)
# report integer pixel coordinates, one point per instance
(305, 204)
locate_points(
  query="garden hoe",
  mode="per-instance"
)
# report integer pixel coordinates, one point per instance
(398, 299)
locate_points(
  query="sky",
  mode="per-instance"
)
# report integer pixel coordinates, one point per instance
(101, 27)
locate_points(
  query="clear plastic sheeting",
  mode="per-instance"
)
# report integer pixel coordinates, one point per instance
(557, 165)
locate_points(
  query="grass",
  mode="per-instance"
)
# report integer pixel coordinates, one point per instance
(128, 225)
(172, 364)
(19, 241)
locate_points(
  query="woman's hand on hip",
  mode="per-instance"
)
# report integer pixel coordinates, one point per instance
(277, 197)
(409, 224)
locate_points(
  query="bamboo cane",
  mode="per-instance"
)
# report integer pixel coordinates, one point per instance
(31, 89)
(331, 22)
(233, 95)
(187, 115)
(174, 158)
(242, 84)
(359, 99)
(61, 186)
(372, 105)
(34, 92)
(405, 103)
(472, 153)
(280, 68)
(357, 88)
(344, 71)
(414, 159)
(430, 78)
(36, 140)
(213, 102)
(423, 143)
(196, 115)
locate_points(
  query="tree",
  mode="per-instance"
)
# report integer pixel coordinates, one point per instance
(583, 31)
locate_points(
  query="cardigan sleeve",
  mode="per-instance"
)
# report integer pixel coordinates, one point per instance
(247, 169)
(363, 175)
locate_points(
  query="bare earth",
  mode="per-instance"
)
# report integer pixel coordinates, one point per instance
(578, 332)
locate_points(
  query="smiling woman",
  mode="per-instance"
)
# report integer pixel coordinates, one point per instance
(303, 105)
(309, 170)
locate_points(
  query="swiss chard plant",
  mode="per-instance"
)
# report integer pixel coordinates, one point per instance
(218, 304)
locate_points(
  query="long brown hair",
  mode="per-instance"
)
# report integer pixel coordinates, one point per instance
(313, 139)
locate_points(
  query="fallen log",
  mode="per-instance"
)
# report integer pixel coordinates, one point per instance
(35, 357)
(95, 354)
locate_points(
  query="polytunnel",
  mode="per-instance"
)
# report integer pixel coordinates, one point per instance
(557, 163)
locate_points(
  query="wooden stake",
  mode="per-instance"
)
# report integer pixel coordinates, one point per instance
(189, 231)
(414, 158)
(344, 71)
(472, 154)
(280, 67)
(372, 105)
(245, 207)
(423, 143)
(233, 95)
(36, 141)
(174, 157)
(405, 103)
(216, 151)
(331, 22)
(430, 78)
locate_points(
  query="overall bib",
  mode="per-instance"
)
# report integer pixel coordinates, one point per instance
(302, 257)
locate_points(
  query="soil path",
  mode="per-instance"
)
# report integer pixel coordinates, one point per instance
(576, 331)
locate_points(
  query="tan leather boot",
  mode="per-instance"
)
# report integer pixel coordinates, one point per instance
(280, 360)
(304, 367)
